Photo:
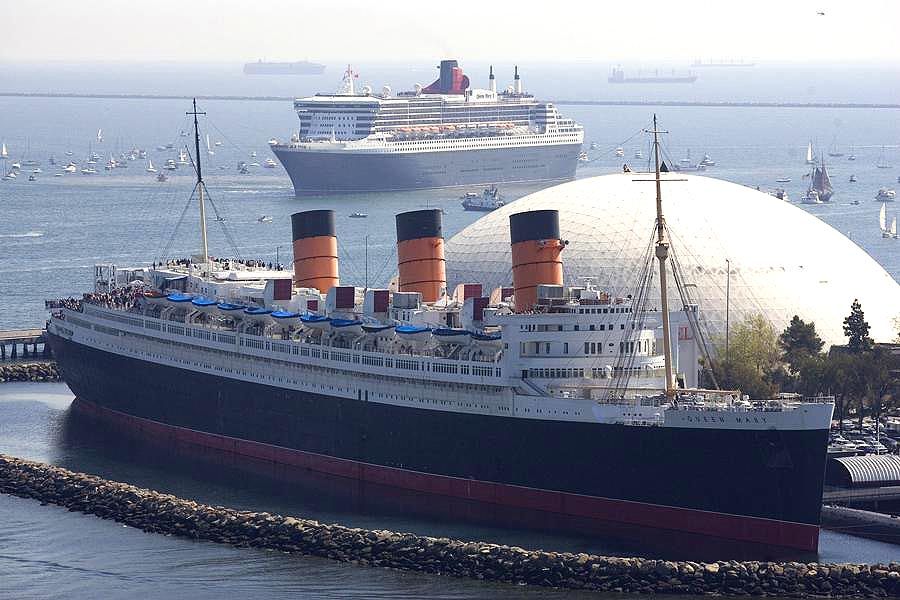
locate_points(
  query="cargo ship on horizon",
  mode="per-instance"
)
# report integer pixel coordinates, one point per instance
(300, 67)
(617, 75)
(446, 134)
(562, 407)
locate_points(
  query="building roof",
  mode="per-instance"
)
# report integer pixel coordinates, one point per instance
(784, 261)
(869, 470)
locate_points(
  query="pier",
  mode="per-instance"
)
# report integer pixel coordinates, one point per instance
(31, 342)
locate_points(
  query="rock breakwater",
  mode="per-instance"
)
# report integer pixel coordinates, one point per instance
(31, 371)
(163, 513)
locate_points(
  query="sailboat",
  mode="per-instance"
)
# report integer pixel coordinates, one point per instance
(150, 167)
(209, 149)
(810, 160)
(821, 183)
(887, 232)
(99, 135)
(182, 157)
(4, 153)
(882, 161)
(833, 150)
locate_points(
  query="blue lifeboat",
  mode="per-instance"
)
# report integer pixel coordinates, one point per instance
(487, 340)
(451, 335)
(347, 326)
(257, 314)
(284, 317)
(315, 322)
(234, 311)
(378, 330)
(204, 305)
(178, 298)
(413, 333)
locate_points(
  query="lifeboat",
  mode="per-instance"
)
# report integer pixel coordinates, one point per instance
(154, 297)
(347, 326)
(178, 298)
(234, 311)
(204, 305)
(487, 340)
(285, 318)
(451, 335)
(378, 330)
(257, 314)
(413, 333)
(315, 322)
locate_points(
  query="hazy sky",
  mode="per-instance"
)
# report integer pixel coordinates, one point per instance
(426, 30)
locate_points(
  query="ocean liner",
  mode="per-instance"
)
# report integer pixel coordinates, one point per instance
(574, 407)
(442, 135)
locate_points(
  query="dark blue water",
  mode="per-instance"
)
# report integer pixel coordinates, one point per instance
(54, 230)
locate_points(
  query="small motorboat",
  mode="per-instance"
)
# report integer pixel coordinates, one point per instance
(583, 157)
(489, 200)
(264, 219)
(358, 215)
(270, 164)
(273, 142)
(885, 195)
(783, 180)
(855, 203)
(620, 151)
(32, 177)
(853, 179)
(707, 161)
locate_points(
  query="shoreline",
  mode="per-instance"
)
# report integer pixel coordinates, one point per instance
(156, 512)
(41, 371)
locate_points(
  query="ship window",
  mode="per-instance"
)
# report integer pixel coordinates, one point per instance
(586, 348)
(592, 328)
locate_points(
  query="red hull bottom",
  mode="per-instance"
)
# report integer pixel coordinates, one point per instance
(481, 501)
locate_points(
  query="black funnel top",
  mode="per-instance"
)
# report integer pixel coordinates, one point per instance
(419, 224)
(312, 223)
(534, 225)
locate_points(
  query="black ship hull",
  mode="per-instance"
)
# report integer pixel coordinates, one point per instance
(343, 171)
(760, 487)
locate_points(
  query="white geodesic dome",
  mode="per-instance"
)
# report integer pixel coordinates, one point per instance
(784, 261)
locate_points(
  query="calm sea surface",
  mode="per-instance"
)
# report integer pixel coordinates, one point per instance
(54, 230)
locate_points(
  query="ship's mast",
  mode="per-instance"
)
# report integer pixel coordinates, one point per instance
(662, 253)
(204, 248)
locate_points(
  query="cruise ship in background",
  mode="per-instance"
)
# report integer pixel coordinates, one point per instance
(443, 135)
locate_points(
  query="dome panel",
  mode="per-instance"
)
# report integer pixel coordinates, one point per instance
(784, 261)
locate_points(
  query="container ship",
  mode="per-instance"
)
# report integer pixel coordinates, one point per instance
(442, 135)
(570, 406)
(617, 75)
(300, 67)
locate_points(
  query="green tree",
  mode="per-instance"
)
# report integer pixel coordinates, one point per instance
(798, 342)
(857, 329)
(752, 358)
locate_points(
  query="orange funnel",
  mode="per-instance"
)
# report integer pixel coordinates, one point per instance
(420, 253)
(536, 248)
(315, 250)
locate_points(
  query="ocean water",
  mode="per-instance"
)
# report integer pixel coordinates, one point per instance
(48, 552)
(54, 230)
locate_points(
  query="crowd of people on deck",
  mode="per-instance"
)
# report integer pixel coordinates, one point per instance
(225, 263)
(124, 298)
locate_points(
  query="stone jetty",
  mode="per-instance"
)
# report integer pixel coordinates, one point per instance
(163, 513)
(30, 371)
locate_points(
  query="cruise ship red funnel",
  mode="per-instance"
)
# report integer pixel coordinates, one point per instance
(536, 248)
(315, 250)
(451, 81)
(420, 253)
